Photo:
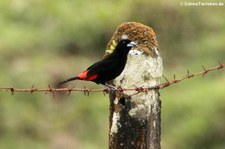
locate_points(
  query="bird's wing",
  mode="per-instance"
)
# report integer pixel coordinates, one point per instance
(101, 66)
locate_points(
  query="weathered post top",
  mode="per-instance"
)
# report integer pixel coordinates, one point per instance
(144, 35)
(135, 116)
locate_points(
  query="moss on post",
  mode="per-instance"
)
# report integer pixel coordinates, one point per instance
(135, 117)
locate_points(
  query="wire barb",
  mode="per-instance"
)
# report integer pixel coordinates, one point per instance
(51, 90)
(205, 71)
(166, 79)
(12, 90)
(220, 65)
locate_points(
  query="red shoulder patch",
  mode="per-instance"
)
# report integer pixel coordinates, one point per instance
(83, 76)
(92, 77)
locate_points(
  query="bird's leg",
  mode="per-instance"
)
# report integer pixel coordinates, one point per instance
(110, 86)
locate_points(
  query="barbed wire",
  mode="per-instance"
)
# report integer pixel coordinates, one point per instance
(86, 91)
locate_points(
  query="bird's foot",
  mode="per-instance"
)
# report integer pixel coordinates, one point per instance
(111, 87)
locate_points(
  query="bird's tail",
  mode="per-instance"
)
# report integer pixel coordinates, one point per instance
(68, 80)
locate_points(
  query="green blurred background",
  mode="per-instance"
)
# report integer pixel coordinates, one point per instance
(43, 42)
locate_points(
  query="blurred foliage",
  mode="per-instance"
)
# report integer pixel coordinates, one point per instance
(43, 42)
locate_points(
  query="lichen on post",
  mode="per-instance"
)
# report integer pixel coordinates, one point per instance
(135, 116)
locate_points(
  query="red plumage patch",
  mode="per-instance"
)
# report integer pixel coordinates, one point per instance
(92, 77)
(83, 76)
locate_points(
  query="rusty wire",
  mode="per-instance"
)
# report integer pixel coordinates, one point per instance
(86, 91)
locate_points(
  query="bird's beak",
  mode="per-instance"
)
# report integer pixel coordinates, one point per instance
(132, 44)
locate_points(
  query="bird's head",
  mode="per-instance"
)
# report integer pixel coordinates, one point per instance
(125, 45)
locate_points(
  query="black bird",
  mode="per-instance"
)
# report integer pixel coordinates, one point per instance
(108, 68)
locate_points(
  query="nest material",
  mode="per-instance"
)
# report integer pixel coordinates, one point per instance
(142, 34)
